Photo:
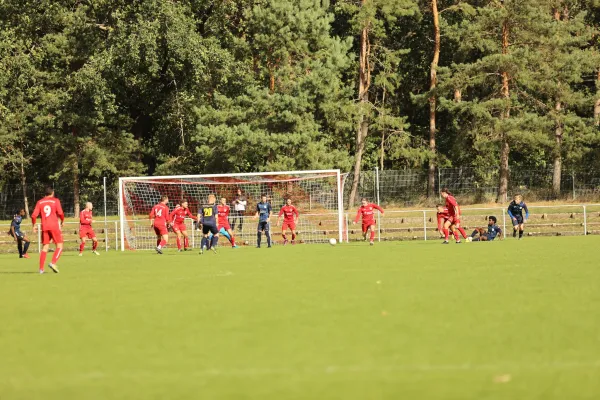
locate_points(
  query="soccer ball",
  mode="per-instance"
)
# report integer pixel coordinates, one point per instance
(469, 239)
(332, 241)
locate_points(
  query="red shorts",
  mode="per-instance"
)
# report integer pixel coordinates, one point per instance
(54, 235)
(161, 230)
(291, 225)
(179, 227)
(454, 221)
(365, 226)
(225, 226)
(87, 232)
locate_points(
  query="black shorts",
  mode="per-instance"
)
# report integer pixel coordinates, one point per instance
(518, 221)
(263, 226)
(18, 235)
(206, 229)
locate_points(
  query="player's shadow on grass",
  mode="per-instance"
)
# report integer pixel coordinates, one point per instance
(18, 272)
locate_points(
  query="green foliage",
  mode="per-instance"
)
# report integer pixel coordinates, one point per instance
(111, 87)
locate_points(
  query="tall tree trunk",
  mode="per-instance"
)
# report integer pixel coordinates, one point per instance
(362, 129)
(433, 99)
(558, 138)
(505, 146)
(76, 186)
(24, 186)
(382, 148)
(597, 104)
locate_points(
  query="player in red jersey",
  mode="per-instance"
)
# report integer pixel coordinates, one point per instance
(442, 217)
(177, 218)
(368, 218)
(85, 229)
(51, 211)
(290, 218)
(158, 218)
(453, 217)
(223, 222)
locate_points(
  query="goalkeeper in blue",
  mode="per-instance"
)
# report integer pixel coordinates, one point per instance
(515, 211)
(207, 217)
(263, 212)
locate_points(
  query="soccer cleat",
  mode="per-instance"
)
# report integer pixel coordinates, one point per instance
(41, 271)
(25, 255)
(269, 246)
(179, 250)
(80, 254)
(95, 252)
(514, 234)
(371, 243)
(54, 268)
(202, 249)
(214, 249)
(445, 242)
(159, 250)
(285, 242)
(293, 242)
(235, 246)
(458, 242)
(258, 247)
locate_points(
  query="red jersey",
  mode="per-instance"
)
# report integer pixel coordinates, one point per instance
(367, 213)
(160, 213)
(452, 206)
(223, 214)
(441, 217)
(85, 218)
(51, 211)
(178, 215)
(289, 212)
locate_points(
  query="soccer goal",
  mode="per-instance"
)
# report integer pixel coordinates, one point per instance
(316, 194)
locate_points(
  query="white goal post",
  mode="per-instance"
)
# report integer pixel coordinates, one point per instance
(317, 194)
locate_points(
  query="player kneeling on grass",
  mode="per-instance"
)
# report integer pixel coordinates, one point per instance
(290, 218)
(18, 235)
(158, 218)
(51, 211)
(488, 234)
(515, 211)
(223, 226)
(368, 218)
(207, 217)
(177, 219)
(86, 230)
(263, 212)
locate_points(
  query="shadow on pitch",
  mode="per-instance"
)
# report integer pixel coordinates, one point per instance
(18, 272)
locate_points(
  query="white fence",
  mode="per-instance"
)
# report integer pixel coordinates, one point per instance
(559, 220)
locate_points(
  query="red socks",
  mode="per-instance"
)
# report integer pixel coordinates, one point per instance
(186, 243)
(81, 247)
(293, 236)
(179, 243)
(43, 255)
(162, 243)
(372, 235)
(446, 233)
(95, 245)
(462, 232)
(455, 233)
(158, 240)
(56, 255)
(283, 236)
(232, 241)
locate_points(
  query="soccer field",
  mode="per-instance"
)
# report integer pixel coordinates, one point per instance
(403, 320)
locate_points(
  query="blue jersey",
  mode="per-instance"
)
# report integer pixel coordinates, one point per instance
(264, 211)
(208, 215)
(516, 209)
(493, 231)
(16, 223)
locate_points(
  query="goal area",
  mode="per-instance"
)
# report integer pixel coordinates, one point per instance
(317, 195)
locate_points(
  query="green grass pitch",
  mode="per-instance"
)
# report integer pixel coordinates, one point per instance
(403, 320)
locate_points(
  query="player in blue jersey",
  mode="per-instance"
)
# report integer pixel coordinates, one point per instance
(19, 236)
(492, 232)
(207, 217)
(263, 212)
(515, 211)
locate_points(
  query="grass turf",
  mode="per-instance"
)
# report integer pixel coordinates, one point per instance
(410, 320)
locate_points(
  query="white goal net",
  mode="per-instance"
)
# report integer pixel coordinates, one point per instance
(316, 194)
